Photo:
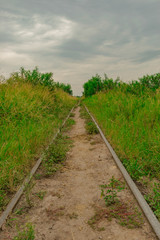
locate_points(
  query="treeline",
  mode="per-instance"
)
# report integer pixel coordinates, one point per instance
(37, 78)
(146, 84)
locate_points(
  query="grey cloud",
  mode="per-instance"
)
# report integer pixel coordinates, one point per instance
(96, 35)
(148, 56)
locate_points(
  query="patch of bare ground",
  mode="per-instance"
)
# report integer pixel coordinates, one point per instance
(71, 207)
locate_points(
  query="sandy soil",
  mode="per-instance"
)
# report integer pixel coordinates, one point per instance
(73, 193)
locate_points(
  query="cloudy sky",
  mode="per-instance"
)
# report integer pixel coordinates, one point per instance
(75, 39)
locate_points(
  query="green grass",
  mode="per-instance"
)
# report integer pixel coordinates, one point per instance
(26, 234)
(29, 117)
(126, 215)
(89, 124)
(56, 154)
(131, 123)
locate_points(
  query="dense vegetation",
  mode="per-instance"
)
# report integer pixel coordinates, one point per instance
(129, 115)
(146, 84)
(31, 110)
(37, 78)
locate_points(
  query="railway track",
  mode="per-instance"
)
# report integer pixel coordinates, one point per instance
(95, 174)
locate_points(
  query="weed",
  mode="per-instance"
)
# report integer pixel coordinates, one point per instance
(135, 169)
(41, 194)
(19, 211)
(154, 199)
(37, 176)
(89, 124)
(10, 221)
(125, 215)
(95, 220)
(27, 191)
(26, 234)
(83, 113)
(109, 191)
(69, 123)
(91, 128)
(56, 154)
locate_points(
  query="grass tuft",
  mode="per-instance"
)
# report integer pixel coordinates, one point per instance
(56, 154)
(89, 124)
(26, 234)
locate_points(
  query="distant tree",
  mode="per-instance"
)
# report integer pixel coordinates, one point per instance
(151, 81)
(109, 83)
(92, 86)
(64, 87)
(146, 85)
(35, 77)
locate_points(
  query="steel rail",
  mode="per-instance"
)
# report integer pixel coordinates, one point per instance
(19, 193)
(137, 194)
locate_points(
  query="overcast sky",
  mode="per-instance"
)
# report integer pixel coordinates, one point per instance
(75, 39)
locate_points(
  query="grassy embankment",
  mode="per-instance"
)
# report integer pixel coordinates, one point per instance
(29, 116)
(131, 122)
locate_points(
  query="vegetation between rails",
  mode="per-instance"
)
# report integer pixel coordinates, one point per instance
(129, 115)
(30, 114)
(124, 213)
(26, 234)
(89, 124)
(56, 155)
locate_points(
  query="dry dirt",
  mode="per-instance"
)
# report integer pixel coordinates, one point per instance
(73, 193)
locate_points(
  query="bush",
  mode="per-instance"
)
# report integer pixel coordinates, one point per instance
(92, 86)
(65, 87)
(146, 85)
(37, 78)
(34, 77)
(151, 81)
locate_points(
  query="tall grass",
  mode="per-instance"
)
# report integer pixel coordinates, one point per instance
(132, 125)
(29, 116)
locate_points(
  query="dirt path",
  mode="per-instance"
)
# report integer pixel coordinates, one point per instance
(73, 193)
